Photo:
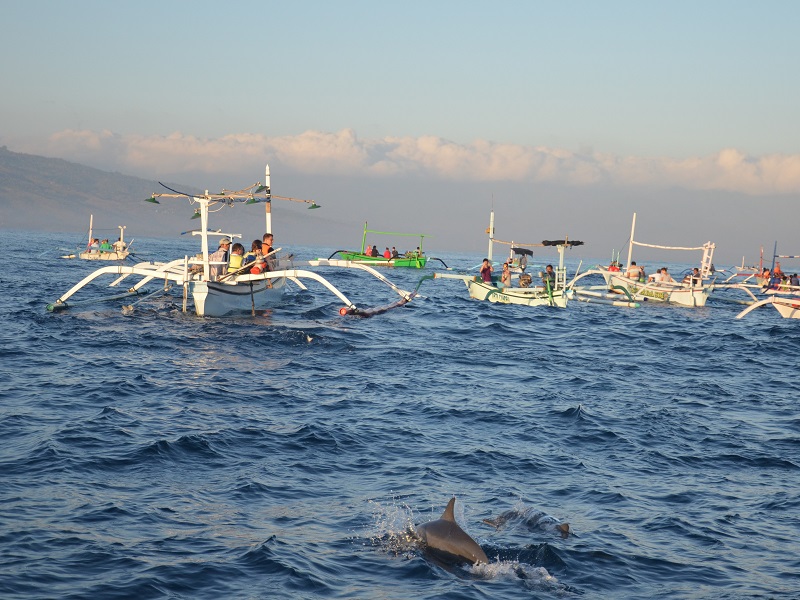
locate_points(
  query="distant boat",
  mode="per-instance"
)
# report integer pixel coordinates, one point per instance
(95, 250)
(692, 291)
(414, 259)
(553, 290)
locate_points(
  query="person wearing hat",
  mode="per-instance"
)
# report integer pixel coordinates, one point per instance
(219, 260)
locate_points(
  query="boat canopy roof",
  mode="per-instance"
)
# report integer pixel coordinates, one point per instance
(561, 243)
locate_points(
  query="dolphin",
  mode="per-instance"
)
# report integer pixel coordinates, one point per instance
(445, 539)
(532, 520)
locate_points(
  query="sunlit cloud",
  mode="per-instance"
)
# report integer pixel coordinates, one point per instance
(343, 153)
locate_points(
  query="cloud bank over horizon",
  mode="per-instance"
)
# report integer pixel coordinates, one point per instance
(344, 153)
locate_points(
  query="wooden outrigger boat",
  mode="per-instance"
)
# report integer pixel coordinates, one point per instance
(691, 292)
(117, 250)
(414, 259)
(238, 291)
(761, 283)
(551, 292)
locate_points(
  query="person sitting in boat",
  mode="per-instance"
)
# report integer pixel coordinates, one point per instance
(254, 254)
(395, 254)
(693, 277)
(94, 246)
(374, 252)
(266, 250)
(486, 271)
(219, 260)
(665, 276)
(794, 281)
(774, 281)
(237, 257)
(634, 272)
(105, 246)
(387, 254)
(505, 277)
(418, 252)
(614, 266)
(119, 245)
(549, 276)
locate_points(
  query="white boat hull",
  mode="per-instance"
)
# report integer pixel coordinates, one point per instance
(787, 307)
(218, 299)
(533, 296)
(672, 293)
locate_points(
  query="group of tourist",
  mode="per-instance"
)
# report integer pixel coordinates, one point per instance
(231, 258)
(662, 275)
(390, 254)
(778, 280)
(548, 277)
(96, 245)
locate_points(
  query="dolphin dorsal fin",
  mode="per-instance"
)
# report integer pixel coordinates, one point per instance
(448, 515)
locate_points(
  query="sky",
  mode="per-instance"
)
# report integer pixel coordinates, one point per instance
(566, 114)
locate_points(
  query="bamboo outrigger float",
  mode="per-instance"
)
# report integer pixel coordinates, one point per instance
(238, 291)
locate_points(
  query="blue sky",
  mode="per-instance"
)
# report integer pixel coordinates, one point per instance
(645, 96)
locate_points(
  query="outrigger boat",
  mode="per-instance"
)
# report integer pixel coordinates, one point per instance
(238, 291)
(693, 291)
(414, 259)
(769, 282)
(552, 292)
(115, 251)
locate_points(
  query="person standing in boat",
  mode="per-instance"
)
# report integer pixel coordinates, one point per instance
(549, 277)
(220, 257)
(486, 271)
(505, 277)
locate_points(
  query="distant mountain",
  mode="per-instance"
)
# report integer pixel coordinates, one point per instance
(51, 194)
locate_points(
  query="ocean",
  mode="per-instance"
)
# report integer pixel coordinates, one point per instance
(149, 453)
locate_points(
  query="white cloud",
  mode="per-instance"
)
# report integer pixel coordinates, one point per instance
(344, 153)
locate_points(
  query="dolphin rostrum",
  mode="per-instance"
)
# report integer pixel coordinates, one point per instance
(444, 538)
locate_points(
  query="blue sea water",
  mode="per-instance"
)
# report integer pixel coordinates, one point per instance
(149, 453)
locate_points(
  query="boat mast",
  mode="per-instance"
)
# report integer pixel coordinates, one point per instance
(630, 244)
(121, 233)
(364, 239)
(91, 217)
(203, 201)
(490, 231)
(268, 203)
